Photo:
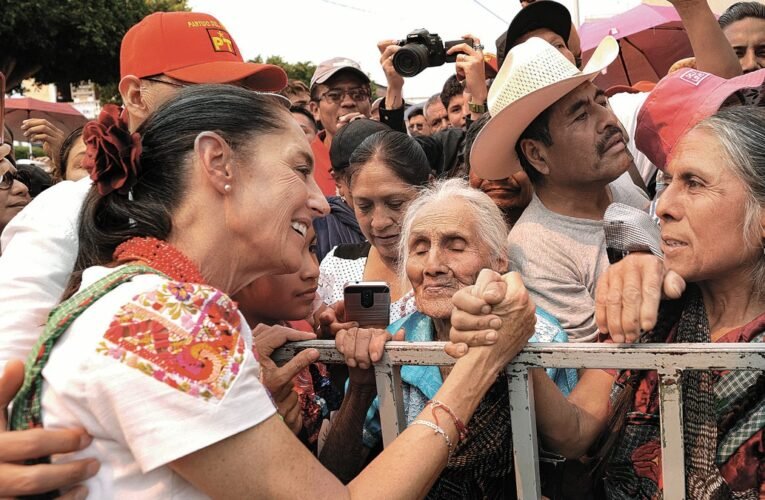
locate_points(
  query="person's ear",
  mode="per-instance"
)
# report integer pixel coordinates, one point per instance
(215, 157)
(313, 107)
(535, 155)
(133, 100)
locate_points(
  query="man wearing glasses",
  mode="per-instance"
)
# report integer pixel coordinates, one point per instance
(340, 92)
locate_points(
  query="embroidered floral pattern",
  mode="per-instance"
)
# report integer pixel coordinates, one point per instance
(186, 336)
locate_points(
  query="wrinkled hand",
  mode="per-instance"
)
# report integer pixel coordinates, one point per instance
(17, 446)
(497, 310)
(471, 68)
(331, 320)
(279, 380)
(388, 49)
(628, 293)
(362, 347)
(41, 130)
(348, 118)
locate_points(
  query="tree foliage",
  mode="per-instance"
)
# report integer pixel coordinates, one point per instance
(302, 71)
(62, 41)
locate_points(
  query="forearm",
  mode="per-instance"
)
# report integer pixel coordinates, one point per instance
(712, 50)
(416, 471)
(344, 452)
(567, 426)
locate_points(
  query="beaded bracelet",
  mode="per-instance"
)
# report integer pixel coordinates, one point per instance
(436, 430)
(461, 427)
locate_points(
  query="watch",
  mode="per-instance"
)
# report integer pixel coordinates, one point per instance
(476, 108)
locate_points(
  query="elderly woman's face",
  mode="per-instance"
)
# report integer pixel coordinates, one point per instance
(702, 212)
(445, 254)
(379, 200)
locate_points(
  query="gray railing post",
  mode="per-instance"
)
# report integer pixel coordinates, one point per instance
(671, 421)
(524, 426)
(392, 420)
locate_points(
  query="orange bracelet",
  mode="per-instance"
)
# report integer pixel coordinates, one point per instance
(461, 427)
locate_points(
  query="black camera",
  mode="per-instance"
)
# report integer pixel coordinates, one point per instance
(421, 50)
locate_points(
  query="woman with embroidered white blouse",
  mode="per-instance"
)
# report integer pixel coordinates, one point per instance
(153, 359)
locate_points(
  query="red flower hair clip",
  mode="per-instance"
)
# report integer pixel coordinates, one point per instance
(112, 152)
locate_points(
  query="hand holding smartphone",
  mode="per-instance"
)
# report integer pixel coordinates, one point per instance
(367, 303)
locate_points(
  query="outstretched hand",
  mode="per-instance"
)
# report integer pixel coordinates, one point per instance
(279, 380)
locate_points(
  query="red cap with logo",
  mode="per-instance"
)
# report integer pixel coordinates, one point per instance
(192, 47)
(683, 99)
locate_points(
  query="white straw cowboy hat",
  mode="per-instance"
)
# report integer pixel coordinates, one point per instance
(533, 77)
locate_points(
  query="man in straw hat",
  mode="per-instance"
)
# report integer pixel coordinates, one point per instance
(550, 120)
(551, 21)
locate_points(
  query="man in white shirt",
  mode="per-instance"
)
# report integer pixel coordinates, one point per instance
(159, 55)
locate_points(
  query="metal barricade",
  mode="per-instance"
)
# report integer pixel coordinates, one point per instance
(669, 360)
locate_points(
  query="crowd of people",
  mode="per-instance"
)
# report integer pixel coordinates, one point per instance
(223, 209)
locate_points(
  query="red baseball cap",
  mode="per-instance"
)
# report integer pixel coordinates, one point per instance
(192, 47)
(683, 99)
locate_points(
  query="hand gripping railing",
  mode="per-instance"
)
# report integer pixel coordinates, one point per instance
(669, 360)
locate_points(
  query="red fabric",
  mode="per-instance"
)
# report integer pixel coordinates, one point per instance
(322, 165)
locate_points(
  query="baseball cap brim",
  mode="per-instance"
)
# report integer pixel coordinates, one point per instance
(542, 14)
(679, 102)
(261, 77)
(329, 74)
(493, 154)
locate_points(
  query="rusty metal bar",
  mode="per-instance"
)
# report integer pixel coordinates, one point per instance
(389, 390)
(524, 425)
(672, 449)
(619, 356)
(669, 360)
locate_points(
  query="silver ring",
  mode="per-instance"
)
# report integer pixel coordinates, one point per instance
(478, 47)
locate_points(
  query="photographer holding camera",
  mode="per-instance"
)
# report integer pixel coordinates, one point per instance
(421, 50)
(444, 149)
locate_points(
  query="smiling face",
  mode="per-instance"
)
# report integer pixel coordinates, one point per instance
(511, 195)
(445, 254)
(747, 37)
(588, 144)
(283, 297)
(275, 199)
(379, 200)
(456, 111)
(702, 212)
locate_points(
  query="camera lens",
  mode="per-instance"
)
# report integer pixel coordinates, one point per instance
(411, 59)
(367, 299)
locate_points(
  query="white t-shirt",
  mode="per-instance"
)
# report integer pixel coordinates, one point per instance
(626, 107)
(154, 370)
(335, 271)
(39, 247)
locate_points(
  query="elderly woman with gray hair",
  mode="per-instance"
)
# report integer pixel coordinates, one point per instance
(712, 228)
(450, 232)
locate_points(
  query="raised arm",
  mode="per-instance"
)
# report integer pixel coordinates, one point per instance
(710, 47)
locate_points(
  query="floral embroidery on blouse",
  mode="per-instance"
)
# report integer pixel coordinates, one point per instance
(184, 335)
